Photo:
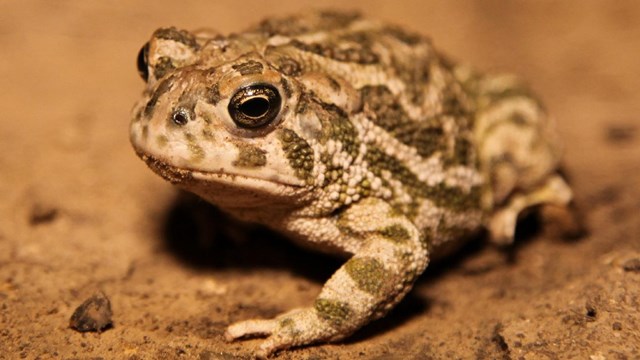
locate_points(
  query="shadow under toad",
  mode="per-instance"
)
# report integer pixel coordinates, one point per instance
(203, 237)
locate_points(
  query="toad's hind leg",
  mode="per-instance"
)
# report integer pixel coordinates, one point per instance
(518, 154)
(554, 193)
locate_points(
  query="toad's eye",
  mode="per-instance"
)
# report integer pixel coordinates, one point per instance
(255, 106)
(143, 62)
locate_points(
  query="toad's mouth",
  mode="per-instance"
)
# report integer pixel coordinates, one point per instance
(186, 178)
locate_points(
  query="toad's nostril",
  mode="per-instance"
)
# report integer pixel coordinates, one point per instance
(180, 117)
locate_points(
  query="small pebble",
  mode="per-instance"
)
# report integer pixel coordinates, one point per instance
(42, 214)
(93, 315)
(632, 265)
(621, 133)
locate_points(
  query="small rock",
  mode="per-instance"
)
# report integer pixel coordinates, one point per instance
(621, 133)
(42, 214)
(93, 315)
(632, 265)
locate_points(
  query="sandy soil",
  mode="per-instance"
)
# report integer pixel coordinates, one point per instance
(79, 213)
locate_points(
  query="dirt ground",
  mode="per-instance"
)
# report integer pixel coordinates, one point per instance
(79, 213)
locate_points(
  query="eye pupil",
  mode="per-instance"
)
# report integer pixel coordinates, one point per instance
(255, 107)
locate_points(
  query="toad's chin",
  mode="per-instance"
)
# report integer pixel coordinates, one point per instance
(227, 190)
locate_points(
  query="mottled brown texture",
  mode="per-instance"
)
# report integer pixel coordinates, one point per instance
(177, 35)
(249, 67)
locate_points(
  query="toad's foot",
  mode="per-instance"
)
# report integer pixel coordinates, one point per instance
(295, 328)
(502, 225)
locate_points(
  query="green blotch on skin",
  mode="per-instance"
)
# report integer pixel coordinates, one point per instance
(462, 152)
(335, 122)
(250, 156)
(425, 139)
(396, 233)
(459, 200)
(334, 125)
(368, 274)
(360, 55)
(333, 311)
(347, 231)
(337, 126)
(197, 153)
(426, 136)
(395, 211)
(162, 140)
(286, 322)
(343, 224)
(288, 326)
(453, 198)
(298, 152)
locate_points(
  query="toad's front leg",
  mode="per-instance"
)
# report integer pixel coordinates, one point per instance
(368, 285)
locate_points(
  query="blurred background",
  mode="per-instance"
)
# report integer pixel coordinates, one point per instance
(80, 213)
